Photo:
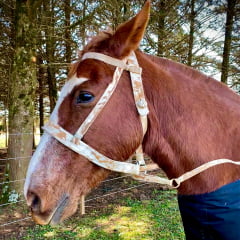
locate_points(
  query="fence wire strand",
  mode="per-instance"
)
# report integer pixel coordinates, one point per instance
(12, 181)
(123, 190)
(19, 134)
(14, 158)
(16, 221)
(10, 203)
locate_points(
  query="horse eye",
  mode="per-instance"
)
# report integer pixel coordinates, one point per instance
(84, 97)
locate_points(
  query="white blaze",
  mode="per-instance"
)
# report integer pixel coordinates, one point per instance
(46, 139)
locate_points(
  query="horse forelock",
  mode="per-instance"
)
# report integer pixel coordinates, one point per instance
(96, 43)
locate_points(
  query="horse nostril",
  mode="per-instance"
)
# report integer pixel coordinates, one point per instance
(35, 202)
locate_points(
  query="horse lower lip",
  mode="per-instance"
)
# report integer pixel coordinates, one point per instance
(57, 214)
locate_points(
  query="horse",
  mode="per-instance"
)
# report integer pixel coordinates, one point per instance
(119, 100)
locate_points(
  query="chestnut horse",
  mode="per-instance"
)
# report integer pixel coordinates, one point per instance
(192, 119)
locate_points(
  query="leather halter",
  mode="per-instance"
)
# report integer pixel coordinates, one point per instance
(138, 170)
(75, 143)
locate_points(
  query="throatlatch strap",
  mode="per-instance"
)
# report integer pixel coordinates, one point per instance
(140, 102)
(138, 93)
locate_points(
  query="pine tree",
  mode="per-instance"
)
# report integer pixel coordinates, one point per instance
(21, 91)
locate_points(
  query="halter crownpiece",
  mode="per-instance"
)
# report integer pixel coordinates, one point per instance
(137, 171)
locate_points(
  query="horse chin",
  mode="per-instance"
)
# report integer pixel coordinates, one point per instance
(40, 219)
(63, 210)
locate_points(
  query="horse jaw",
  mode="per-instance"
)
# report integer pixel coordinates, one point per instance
(56, 180)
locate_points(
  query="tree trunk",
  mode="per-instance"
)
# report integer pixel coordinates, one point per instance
(21, 93)
(6, 127)
(161, 27)
(67, 10)
(40, 77)
(191, 33)
(50, 50)
(231, 7)
(82, 27)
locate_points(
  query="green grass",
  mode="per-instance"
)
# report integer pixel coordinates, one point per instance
(131, 219)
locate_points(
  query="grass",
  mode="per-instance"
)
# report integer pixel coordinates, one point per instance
(131, 219)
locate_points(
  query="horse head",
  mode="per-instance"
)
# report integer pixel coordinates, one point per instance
(57, 176)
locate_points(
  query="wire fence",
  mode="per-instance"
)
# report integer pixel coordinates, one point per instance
(14, 158)
(4, 136)
(10, 221)
(87, 200)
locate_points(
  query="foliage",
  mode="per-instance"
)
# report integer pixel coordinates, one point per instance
(64, 26)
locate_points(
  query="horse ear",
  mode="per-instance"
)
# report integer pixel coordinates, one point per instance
(129, 34)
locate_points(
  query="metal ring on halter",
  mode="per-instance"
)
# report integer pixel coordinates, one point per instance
(175, 183)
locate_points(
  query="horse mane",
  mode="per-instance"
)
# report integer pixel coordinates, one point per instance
(179, 67)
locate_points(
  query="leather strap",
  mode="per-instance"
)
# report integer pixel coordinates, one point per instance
(100, 104)
(112, 61)
(90, 153)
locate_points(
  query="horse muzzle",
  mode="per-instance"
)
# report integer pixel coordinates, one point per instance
(52, 217)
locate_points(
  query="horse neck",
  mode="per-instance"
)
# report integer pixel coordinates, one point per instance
(193, 119)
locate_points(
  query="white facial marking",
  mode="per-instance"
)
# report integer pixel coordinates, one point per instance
(35, 160)
(67, 88)
(45, 141)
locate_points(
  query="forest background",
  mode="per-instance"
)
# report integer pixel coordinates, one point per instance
(40, 38)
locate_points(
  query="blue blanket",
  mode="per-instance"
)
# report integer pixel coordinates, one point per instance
(212, 216)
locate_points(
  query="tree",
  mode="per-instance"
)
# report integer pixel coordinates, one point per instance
(231, 9)
(160, 37)
(68, 40)
(191, 33)
(6, 49)
(161, 22)
(21, 91)
(40, 77)
(49, 27)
